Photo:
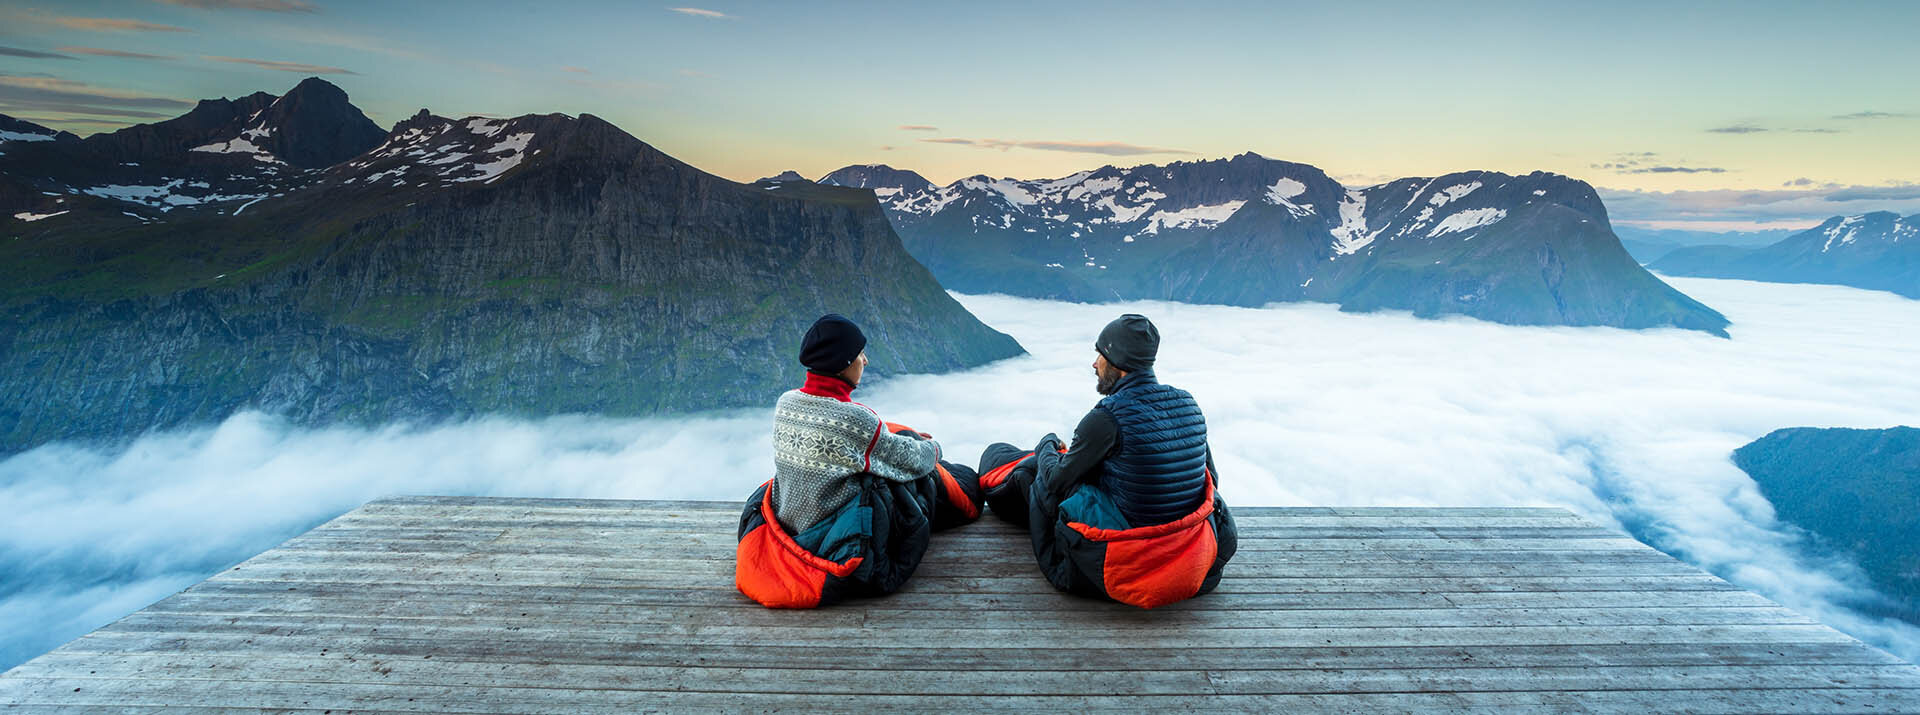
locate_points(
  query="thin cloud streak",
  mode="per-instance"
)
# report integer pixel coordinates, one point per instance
(1677, 170)
(112, 24)
(31, 54)
(279, 66)
(1874, 115)
(104, 52)
(51, 94)
(614, 85)
(264, 5)
(918, 128)
(701, 12)
(1105, 148)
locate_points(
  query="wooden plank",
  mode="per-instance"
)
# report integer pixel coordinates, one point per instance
(1025, 583)
(804, 631)
(642, 556)
(734, 506)
(981, 530)
(557, 570)
(537, 615)
(1059, 656)
(346, 668)
(563, 699)
(596, 541)
(275, 592)
(425, 517)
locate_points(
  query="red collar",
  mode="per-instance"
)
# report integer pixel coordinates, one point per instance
(820, 385)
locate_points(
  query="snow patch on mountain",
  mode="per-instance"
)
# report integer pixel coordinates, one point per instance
(7, 136)
(1351, 235)
(165, 197)
(1467, 220)
(30, 216)
(239, 145)
(1013, 192)
(1096, 186)
(1121, 214)
(1845, 232)
(485, 127)
(1196, 217)
(1452, 193)
(1285, 189)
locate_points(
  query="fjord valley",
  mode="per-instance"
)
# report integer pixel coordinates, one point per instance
(282, 254)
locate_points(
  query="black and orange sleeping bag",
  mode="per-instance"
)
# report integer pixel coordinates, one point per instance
(868, 547)
(1084, 547)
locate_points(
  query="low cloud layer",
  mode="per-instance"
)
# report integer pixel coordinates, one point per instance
(1306, 406)
(1801, 202)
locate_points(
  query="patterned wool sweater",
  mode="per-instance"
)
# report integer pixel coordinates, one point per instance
(821, 439)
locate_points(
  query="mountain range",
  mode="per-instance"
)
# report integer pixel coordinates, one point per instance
(285, 254)
(1650, 244)
(1533, 250)
(1877, 251)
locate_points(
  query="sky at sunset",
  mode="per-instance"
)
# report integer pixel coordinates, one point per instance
(1701, 115)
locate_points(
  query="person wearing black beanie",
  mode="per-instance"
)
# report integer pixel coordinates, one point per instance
(1139, 460)
(833, 346)
(848, 488)
(1129, 343)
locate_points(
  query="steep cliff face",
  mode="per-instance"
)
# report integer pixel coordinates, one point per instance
(1854, 490)
(558, 265)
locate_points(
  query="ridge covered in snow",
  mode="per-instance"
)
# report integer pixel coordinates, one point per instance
(1107, 211)
(429, 150)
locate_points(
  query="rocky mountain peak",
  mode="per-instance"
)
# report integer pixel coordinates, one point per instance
(877, 176)
(782, 177)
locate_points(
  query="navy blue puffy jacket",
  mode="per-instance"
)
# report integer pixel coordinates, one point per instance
(1158, 474)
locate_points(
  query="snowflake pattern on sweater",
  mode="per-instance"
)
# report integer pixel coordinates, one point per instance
(821, 441)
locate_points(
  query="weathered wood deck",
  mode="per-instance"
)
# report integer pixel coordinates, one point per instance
(535, 605)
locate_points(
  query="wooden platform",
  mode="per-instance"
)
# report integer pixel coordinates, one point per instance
(535, 605)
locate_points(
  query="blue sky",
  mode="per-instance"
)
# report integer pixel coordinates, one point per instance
(1716, 114)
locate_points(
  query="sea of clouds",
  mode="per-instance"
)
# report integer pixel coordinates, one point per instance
(1305, 405)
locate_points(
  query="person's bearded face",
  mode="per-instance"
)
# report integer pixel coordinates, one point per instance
(1106, 378)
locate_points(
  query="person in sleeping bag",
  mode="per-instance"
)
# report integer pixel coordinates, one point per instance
(1130, 511)
(853, 497)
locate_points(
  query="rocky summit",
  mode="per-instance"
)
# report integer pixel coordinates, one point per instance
(1533, 250)
(263, 253)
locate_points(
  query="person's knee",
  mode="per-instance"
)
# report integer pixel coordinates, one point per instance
(997, 455)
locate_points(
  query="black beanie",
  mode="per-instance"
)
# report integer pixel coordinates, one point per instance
(831, 344)
(1130, 342)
